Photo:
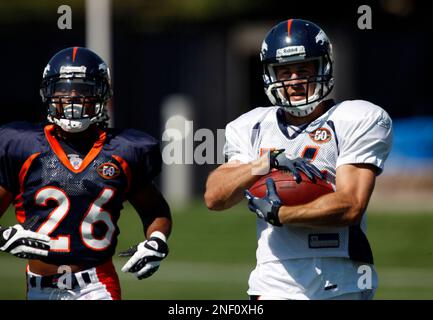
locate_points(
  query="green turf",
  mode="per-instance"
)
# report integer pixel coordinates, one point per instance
(212, 254)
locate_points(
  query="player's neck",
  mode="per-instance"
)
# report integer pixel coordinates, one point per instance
(298, 121)
(90, 135)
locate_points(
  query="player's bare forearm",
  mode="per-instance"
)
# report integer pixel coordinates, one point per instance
(331, 210)
(153, 210)
(225, 186)
(5, 200)
(355, 184)
(161, 224)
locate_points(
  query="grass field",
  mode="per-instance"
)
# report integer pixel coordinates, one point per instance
(212, 254)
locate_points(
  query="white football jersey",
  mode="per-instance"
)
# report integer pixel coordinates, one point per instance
(350, 132)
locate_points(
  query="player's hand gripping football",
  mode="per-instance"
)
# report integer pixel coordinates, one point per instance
(23, 243)
(279, 160)
(267, 207)
(146, 256)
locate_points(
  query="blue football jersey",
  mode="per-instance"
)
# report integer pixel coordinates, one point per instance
(78, 206)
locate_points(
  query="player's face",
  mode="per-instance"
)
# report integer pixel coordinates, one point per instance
(296, 74)
(74, 99)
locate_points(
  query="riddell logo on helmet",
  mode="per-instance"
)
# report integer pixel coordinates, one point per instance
(72, 71)
(290, 51)
(108, 170)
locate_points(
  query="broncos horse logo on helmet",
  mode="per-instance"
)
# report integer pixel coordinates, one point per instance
(76, 86)
(294, 41)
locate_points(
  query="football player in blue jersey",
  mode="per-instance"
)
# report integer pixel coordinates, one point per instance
(68, 180)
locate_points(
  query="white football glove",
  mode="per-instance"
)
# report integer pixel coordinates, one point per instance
(24, 243)
(146, 256)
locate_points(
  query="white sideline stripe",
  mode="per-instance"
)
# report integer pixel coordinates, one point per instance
(187, 272)
(238, 273)
(405, 277)
(195, 272)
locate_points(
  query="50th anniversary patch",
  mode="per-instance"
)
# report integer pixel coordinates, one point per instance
(108, 170)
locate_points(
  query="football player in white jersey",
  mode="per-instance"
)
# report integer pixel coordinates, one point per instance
(318, 250)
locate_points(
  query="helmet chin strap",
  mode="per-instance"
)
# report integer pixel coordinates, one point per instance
(299, 108)
(302, 111)
(293, 107)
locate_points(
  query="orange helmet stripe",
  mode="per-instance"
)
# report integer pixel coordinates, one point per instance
(74, 53)
(289, 26)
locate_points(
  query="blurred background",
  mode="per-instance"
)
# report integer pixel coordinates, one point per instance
(198, 60)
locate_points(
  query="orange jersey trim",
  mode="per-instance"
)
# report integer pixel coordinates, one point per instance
(19, 210)
(107, 275)
(314, 155)
(93, 153)
(126, 170)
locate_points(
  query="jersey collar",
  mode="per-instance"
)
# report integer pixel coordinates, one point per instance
(60, 153)
(313, 125)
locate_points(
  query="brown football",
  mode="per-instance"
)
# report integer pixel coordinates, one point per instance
(290, 192)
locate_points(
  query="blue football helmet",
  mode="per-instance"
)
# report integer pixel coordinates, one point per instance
(294, 41)
(76, 86)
